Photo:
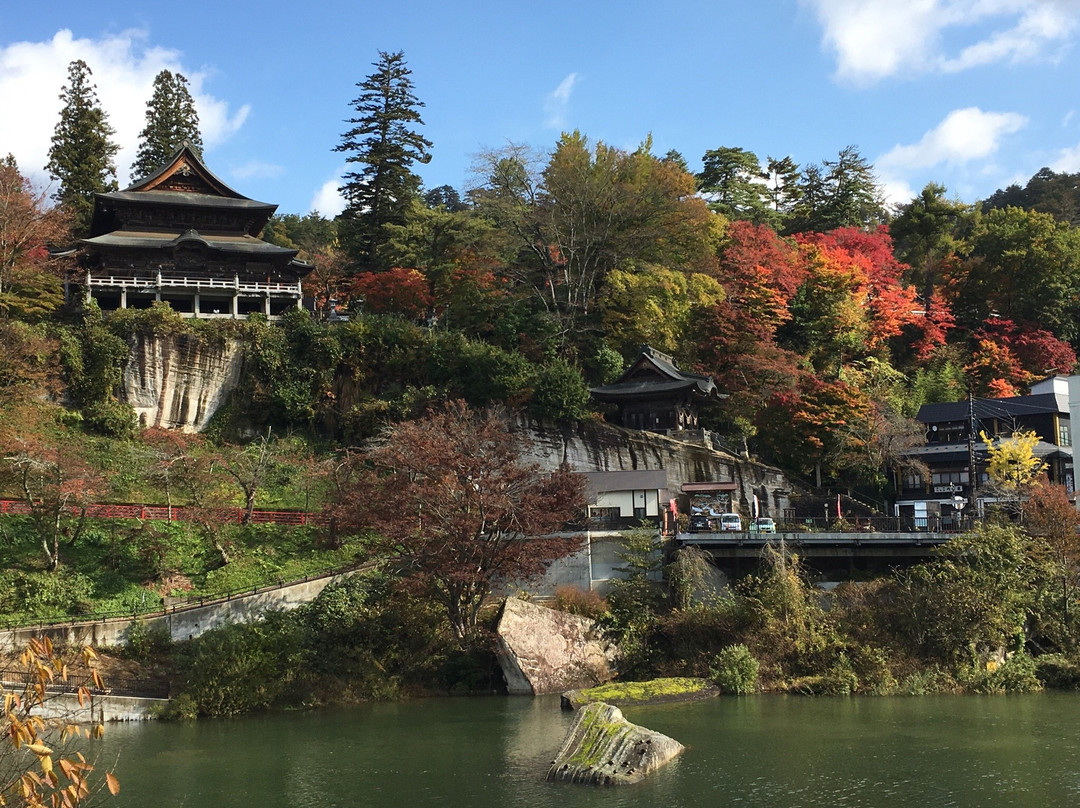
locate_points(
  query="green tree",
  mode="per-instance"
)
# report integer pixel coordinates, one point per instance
(731, 180)
(926, 233)
(171, 121)
(82, 151)
(1023, 266)
(382, 144)
(843, 193)
(590, 210)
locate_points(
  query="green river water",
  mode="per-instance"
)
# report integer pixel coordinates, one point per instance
(760, 751)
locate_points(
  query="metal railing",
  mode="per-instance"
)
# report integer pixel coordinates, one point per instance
(114, 685)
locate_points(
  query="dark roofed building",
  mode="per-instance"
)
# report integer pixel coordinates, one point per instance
(934, 499)
(184, 237)
(653, 394)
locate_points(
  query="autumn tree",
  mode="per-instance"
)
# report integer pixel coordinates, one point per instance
(82, 151)
(41, 763)
(53, 479)
(382, 144)
(589, 210)
(30, 283)
(655, 306)
(927, 232)
(1012, 465)
(461, 512)
(250, 467)
(1052, 518)
(171, 121)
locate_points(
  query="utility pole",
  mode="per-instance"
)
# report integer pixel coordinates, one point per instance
(973, 478)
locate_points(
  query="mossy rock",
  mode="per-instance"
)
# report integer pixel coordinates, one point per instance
(654, 691)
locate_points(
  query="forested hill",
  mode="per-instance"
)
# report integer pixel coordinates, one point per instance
(825, 315)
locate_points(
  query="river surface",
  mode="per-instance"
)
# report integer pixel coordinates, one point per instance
(772, 751)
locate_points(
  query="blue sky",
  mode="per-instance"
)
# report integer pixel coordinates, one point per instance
(974, 94)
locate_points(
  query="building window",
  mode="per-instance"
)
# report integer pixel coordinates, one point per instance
(604, 516)
(947, 477)
(1064, 438)
(912, 480)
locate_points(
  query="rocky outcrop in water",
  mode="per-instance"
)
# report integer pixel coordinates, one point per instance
(603, 748)
(542, 650)
(176, 381)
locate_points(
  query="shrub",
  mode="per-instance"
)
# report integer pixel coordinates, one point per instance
(1015, 675)
(735, 670)
(1058, 671)
(584, 603)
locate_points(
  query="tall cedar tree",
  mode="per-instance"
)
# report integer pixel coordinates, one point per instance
(382, 145)
(457, 507)
(82, 151)
(171, 120)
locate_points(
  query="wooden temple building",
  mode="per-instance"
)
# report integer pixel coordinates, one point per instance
(183, 237)
(654, 395)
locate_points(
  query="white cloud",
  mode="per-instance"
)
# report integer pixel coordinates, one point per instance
(327, 200)
(875, 39)
(558, 101)
(256, 169)
(124, 65)
(1068, 161)
(965, 136)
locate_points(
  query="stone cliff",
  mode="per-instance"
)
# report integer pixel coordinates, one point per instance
(597, 446)
(176, 381)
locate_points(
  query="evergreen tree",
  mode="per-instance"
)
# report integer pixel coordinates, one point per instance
(82, 151)
(171, 120)
(382, 145)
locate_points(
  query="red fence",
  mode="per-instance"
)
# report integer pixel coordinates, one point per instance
(9, 507)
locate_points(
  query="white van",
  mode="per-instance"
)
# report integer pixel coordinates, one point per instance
(730, 521)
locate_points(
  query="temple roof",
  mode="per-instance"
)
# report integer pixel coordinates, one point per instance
(157, 240)
(185, 182)
(655, 375)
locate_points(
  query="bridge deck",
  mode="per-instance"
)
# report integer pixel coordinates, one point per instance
(745, 545)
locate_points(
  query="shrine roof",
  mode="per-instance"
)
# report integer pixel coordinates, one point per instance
(170, 239)
(655, 374)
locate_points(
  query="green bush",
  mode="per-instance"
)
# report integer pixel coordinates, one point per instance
(1058, 671)
(735, 670)
(1015, 675)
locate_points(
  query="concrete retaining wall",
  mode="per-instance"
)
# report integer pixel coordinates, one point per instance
(181, 623)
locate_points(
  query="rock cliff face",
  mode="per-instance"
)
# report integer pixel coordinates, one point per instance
(589, 446)
(179, 382)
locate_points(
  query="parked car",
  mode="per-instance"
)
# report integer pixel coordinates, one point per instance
(763, 524)
(699, 523)
(730, 521)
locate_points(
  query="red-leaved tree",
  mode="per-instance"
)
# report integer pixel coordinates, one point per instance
(453, 502)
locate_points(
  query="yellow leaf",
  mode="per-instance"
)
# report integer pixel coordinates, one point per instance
(38, 748)
(46, 764)
(112, 783)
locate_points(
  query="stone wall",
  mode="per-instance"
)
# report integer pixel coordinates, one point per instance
(176, 381)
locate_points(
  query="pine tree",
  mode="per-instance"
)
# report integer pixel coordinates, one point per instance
(171, 120)
(382, 144)
(82, 151)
